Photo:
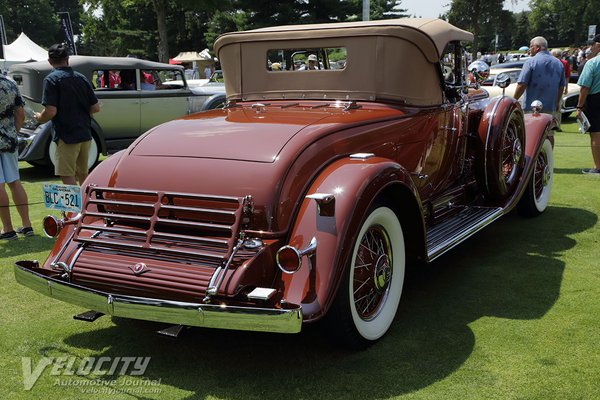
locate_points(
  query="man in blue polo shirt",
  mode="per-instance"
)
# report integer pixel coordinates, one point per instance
(542, 78)
(589, 102)
(69, 101)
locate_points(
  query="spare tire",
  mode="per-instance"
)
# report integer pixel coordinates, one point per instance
(502, 157)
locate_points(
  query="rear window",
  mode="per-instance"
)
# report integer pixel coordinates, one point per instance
(306, 59)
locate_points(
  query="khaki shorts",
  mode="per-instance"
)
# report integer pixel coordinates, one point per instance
(71, 159)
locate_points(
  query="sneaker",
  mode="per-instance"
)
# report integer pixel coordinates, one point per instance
(12, 235)
(591, 171)
(25, 231)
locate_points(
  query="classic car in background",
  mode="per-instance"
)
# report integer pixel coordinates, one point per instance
(134, 95)
(569, 100)
(216, 79)
(308, 194)
(519, 64)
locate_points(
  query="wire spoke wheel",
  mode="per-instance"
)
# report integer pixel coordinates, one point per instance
(537, 193)
(369, 293)
(372, 273)
(511, 153)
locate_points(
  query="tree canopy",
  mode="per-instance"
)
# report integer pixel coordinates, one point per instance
(159, 29)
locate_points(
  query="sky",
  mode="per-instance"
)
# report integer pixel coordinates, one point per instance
(433, 8)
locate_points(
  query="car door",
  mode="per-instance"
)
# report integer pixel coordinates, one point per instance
(440, 165)
(164, 97)
(119, 116)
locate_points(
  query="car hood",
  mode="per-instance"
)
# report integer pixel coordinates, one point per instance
(236, 134)
(207, 88)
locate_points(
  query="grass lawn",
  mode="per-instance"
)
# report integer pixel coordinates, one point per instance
(513, 313)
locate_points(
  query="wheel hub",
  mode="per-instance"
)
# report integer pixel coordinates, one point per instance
(517, 151)
(546, 175)
(382, 273)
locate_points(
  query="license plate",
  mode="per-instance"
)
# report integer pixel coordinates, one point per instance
(62, 197)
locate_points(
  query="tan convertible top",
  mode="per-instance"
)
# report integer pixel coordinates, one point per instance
(386, 60)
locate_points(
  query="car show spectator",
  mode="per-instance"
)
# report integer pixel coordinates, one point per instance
(566, 66)
(542, 78)
(68, 101)
(589, 102)
(208, 71)
(312, 63)
(113, 80)
(12, 116)
(147, 81)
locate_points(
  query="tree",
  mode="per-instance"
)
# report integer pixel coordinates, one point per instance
(471, 15)
(118, 28)
(521, 35)
(35, 17)
(544, 20)
(385, 9)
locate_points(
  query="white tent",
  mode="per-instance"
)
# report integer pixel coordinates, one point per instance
(24, 49)
(198, 60)
(190, 56)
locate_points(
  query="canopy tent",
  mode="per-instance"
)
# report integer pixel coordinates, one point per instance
(198, 60)
(24, 49)
(191, 56)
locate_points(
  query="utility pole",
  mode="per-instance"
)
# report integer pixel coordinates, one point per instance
(366, 10)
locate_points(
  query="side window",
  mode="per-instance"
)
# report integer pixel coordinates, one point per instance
(104, 79)
(127, 79)
(163, 79)
(114, 79)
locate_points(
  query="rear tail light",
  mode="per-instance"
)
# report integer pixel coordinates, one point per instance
(289, 259)
(52, 226)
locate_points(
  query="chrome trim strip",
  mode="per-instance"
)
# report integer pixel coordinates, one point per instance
(174, 312)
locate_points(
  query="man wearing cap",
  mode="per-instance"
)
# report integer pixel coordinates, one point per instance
(69, 101)
(312, 63)
(542, 78)
(589, 102)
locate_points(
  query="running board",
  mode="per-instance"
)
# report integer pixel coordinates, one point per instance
(445, 235)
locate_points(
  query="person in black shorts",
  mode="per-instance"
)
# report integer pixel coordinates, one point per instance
(589, 102)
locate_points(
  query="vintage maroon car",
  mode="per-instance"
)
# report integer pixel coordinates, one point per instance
(306, 197)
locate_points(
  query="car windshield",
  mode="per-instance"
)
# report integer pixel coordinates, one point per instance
(216, 77)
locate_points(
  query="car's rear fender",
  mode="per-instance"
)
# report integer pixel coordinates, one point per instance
(99, 136)
(538, 127)
(356, 185)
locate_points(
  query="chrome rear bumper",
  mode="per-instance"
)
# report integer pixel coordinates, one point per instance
(288, 320)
